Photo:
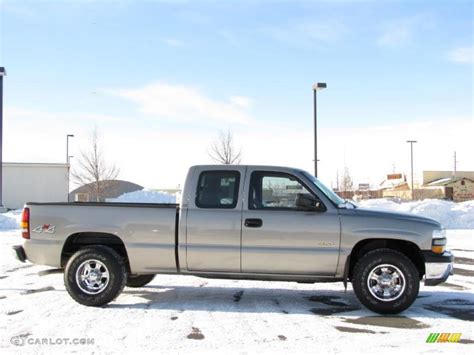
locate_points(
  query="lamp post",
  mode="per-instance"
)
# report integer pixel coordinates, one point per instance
(67, 146)
(68, 160)
(316, 87)
(412, 185)
(2, 74)
(69, 177)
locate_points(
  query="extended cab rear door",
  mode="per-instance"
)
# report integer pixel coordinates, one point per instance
(214, 219)
(279, 238)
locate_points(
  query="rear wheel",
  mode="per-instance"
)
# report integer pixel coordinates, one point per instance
(136, 280)
(385, 281)
(95, 276)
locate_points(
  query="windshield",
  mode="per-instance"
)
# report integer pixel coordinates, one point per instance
(329, 193)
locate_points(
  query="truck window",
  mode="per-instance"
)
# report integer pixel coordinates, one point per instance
(218, 189)
(270, 190)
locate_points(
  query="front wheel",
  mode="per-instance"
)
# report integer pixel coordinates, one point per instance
(385, 281)
(136, 280)
(95, 276)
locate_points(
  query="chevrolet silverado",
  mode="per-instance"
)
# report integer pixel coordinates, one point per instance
(239, 222)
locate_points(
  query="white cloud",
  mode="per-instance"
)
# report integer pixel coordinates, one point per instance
(241, 101)
(173, 42)
(402, 31)
(60, 117)
(230, 37)
(158, 155)
(185, 103)
(394, 37)
(370, 152)
(462, 55)
(307, 33)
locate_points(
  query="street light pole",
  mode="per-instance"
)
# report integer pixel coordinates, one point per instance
(2, 74)
(67, 146)
(412, 185)
(68, 160)
(316, 87)
(69, 178)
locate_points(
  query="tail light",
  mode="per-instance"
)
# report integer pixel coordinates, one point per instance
(25, 223)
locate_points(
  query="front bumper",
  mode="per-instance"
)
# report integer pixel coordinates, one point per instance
(19, 252)
(438, 267)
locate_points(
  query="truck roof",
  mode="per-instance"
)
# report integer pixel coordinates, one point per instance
(230, 166)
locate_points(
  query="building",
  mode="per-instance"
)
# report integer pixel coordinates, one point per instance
(432, 175)
(395, 186)
(364, 192)
(111, 189)
(458, 186)
(34, 182)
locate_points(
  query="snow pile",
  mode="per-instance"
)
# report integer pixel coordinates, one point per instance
(10, 220)
(145, 196)
(450, 214)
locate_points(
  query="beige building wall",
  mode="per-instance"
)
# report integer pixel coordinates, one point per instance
(432, 175)
(34, 182)
(419, 194)
(462, 192)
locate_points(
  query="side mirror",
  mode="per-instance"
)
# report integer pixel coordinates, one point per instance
(308, 202)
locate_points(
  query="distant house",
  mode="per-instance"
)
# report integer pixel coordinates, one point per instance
(396, 182)
(457, 186)
(395, 186)
(365, 192)
(112, 189)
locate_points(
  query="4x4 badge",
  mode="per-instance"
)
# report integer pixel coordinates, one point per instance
(45, 228)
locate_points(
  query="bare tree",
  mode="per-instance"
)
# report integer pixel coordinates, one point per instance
(223, 150)
(93, 171)
(346, 183)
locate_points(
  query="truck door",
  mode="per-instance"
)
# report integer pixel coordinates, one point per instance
(279, 238)
(214, 220)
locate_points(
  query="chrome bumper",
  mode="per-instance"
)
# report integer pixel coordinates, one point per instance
(438, 268)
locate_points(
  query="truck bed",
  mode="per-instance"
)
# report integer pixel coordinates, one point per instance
(148, 231)
(106, 204)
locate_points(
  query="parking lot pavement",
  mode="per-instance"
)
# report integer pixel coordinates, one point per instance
(190, 314)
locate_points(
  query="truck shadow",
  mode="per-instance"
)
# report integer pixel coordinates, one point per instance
(430, 304)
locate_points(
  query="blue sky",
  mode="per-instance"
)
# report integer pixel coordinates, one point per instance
(187, 69)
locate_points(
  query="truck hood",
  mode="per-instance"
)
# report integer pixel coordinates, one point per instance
(365, 212)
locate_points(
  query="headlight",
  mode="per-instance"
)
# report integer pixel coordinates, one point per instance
(438, 243)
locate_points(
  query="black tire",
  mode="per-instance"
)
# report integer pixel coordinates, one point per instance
(137, 280)
(397, 302)
(108, 262)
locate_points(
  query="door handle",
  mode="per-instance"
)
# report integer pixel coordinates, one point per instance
(253, 222)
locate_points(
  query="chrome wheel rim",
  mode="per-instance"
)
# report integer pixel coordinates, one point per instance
(92, 276)
(386, 282)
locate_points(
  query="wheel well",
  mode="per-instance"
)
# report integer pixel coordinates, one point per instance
(409, 249)
(80, 240)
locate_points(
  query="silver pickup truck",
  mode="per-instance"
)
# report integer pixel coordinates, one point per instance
(239, 222)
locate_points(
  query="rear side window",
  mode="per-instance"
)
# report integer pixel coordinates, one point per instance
(218, 189)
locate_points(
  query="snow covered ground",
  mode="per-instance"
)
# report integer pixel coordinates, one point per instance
(178, 314)
(450, 214)
(10, 220)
